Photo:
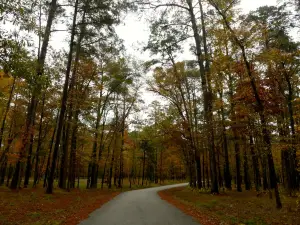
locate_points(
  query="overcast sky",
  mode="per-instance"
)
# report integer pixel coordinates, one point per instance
(135, 33)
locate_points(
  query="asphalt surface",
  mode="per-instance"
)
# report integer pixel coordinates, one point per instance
(139, 207)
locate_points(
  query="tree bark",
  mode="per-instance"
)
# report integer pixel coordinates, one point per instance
(72, 162)
(247, 180)
(238, 166)
(50, 151)
(6, 112)
(34, 98)
(293, 176)
(227, 173)
(144, 162)
(204, 74)
(255, 165)
(63, 104)
(36, 172)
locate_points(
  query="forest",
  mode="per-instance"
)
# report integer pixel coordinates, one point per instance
(226, 117)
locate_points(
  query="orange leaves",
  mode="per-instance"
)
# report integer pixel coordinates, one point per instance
(271, 100)
(18, 145)
(239, 68)
(5, 83)
(129, 143)
(12, 157)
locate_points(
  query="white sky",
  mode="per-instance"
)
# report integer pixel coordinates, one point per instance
(135, 33)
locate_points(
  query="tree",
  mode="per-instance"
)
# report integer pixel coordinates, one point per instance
(260, 107)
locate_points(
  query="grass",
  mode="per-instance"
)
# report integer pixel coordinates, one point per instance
(233, 207)
(32, 206)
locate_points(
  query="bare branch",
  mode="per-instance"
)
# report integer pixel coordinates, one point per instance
(153, 6)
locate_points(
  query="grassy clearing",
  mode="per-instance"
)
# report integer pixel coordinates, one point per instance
(32, 206)
(233, 207)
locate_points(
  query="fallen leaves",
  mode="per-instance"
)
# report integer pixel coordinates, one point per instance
(33, 206)
(188, 209)
(232, 207)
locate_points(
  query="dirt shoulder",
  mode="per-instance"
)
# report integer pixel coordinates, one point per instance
(233, 207)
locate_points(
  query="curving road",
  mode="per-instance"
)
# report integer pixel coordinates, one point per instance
(139, 207)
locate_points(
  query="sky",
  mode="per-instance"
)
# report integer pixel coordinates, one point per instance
(135, 32)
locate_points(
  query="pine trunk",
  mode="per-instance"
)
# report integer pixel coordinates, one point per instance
(36, 172)
(63, 105)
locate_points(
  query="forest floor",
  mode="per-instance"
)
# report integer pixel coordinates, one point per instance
(31, 206)
(233, 207)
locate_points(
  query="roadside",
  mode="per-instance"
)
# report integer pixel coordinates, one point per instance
(233, 207)
(32, 206)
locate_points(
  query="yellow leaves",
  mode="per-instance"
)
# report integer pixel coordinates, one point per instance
(298, 157)
(18, 145)
(12, 157)
(297, 129)
(218, 104)
(5, 82)
(101, 87)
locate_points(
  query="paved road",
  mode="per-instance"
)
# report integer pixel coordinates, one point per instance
(140, 207)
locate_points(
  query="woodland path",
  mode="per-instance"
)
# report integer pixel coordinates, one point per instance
(139, 207)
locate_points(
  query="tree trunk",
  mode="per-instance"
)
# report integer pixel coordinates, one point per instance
(122, 149)
(6, 112)
(238, 166)
(112, 164)
(104, 169)
(72, 162)
(49, 155)
(29, 158)
(255, 165)
(94, 152)
(227, 173)
(220, 178)
(15, 179)
(293, 176)
(36, 172)
(144, 161)
(3, 168)
(9, 174)
(10, 139)
(161, 166)
(247, 180)
(207, 169)
(63, 104)
(203, 170)
(28, 133)
(207, 94)
(62, 183)
(198, 171)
